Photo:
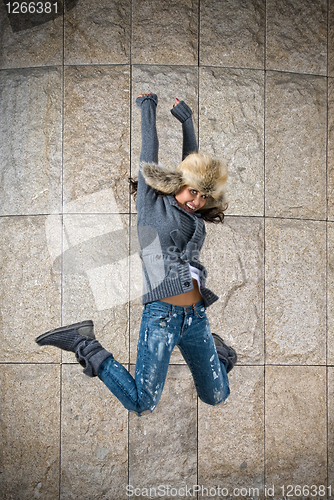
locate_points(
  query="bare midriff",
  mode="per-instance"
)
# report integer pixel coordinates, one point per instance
(185, 299)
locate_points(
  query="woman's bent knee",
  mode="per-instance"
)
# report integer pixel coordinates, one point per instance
(216, 398)
(145, 405)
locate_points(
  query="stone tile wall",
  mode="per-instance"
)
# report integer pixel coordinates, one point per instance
(258, 75)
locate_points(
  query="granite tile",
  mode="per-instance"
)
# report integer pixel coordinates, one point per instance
(231, 119)
(330, 38)
(96, 139)
(330, 293)
(94, 439)
(30, 295)
(30, 156)
(295, 292)
(27, 41)
(136, 309)
(295, 173)
(29, 423)
(297, 36)
(233, 257)
(165, 32)
(330, 381)
(98, 32)
(136, 288)
(168, 83)
(233, 34)
(231, 438)
(163, 444)
(330, 168)
(295, 416)
(95, 264)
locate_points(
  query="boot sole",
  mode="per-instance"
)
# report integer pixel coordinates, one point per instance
(84, 328)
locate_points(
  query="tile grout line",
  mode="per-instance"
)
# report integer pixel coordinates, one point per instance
(130, 222)
(62, 246)
(250, 216)
(326, 250)
(45, 363)
(264, 240)
(198, 129)
(164, 65)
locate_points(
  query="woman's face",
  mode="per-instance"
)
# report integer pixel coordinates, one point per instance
(190, 199)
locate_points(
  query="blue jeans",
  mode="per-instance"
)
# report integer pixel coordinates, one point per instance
(164, 326)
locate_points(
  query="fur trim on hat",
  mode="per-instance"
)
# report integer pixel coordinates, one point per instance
(161, 178)
(199, 171)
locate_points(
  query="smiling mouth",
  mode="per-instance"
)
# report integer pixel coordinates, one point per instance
(189, 208)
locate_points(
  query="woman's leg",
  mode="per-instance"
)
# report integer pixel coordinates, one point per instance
(184, 114)
(150, 143)
(155, 345)
(199, 351)
(139, 393)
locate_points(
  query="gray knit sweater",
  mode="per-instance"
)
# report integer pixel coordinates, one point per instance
(170, 239)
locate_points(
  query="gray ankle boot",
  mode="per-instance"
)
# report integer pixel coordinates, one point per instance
(90, 354)
(225, 352)
(80, 339)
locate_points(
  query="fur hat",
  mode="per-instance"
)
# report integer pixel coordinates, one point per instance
(197, 170)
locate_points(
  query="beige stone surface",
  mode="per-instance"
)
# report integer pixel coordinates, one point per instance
(70, 134)
(297, 36)
(98, 32)
(233, 257)
(330, 39)
(29, 423)
(295, 416)
(163, 444)
(231, 128)
(330, 168)
(330, 293)
(295, 292)
(231, 436)
(165, 32)
(233, 34)
(30, 295)
(295, 146)
(94, 439)
(95, 262)
(30, 155)
(167, 82)
(330, 378)
(96, 139)
(27, 46)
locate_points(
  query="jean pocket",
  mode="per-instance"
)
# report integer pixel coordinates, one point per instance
(201, 313)
(158, 315)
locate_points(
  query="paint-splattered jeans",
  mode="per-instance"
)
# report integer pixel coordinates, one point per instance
(163, 327)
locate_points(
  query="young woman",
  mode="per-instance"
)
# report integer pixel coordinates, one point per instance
(172, 207)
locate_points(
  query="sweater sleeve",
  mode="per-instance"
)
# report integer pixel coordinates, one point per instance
(184, 114)
(146, 196)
